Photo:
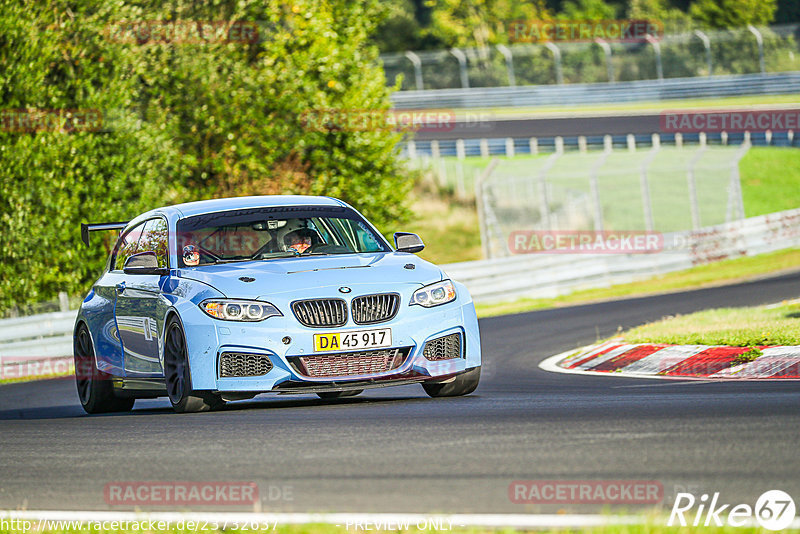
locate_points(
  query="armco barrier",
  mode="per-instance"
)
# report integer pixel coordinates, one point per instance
(600, 93)
(532, 275)
(548, 275)
(47, 335)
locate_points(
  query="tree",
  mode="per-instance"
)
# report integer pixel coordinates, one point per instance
(733, 13)
(182, 119)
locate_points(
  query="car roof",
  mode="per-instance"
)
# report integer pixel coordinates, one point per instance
(200, 207)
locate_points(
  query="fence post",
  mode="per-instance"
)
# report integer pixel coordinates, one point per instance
(735, 201)
(760, 42)
(695, 209)
(647, 204)
(480, 178)
(411, 149)
(707, 44)
(595, 185)
(414, 58)
(484, 144)
(544, 197)
(607, 51)
(557, 59)
(512, 81)
(63, 301)
(461, 151)
(462, 66)
(657, 49)
(509, 147)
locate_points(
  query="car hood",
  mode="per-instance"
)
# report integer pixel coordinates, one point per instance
(271, 277)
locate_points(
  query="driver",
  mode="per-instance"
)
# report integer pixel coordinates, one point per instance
(299, 240)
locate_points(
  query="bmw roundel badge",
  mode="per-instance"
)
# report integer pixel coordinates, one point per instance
(344, 289)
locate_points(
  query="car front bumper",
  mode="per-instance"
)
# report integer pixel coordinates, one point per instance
(412, 327)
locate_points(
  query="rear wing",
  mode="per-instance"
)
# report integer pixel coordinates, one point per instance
(94, 227)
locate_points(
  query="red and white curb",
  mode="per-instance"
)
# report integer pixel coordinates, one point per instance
(650, 360)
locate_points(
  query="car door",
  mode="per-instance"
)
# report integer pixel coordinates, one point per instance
(140, 305)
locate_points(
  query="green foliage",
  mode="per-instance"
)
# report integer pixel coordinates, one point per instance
(737, 327)
(587, 10)
(733, 13)
(182, 121)
(747, 357)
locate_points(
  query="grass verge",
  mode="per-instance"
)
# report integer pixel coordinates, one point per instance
(654, 528)
(737, 327)
(726, 271)
(449, 229)
(36, 377)
(704, 103)
(769, 177)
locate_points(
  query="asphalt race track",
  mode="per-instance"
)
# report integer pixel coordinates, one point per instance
(485, 124)
(396, 450)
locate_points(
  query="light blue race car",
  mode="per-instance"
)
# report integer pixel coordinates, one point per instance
(225, 299)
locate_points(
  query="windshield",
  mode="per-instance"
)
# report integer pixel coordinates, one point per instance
(271, 233)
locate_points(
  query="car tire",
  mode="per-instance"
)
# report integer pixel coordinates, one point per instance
(177, 375)
(328, 395)
(95, 390)
(464, 384)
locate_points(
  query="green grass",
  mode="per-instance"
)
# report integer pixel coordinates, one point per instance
(32, 378)
(770, 180)
(738, 327)
(449, 229)
(701, 276)
(656, 527)
(660, 105)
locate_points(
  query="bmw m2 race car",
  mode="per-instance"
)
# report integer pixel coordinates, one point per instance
(225, 299)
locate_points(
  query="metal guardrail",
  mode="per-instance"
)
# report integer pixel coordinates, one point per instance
(48, 335)
(549, 275)
(535, 275)
(600, 93)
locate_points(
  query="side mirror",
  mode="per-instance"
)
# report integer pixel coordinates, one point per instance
(408, 242)
(143, 263)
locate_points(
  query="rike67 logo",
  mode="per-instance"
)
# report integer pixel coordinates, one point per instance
(774, 510)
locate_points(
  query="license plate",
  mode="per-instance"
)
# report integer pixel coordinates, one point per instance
(354, 340)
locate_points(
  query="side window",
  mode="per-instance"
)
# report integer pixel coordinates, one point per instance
(154, 239)
(127, 246)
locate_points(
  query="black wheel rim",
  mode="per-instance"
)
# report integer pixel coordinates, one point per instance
(175, 363)
(84, 365)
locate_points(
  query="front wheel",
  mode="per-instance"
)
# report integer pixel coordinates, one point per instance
(178, 377)
(94, 386)
(464, 384)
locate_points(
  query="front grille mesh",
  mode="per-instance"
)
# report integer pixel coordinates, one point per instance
(371, 309)
(235, 364)
(320, 312)
(443, 348)
(351, 363)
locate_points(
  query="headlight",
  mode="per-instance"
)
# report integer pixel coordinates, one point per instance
(434, 294)
(239, 310)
